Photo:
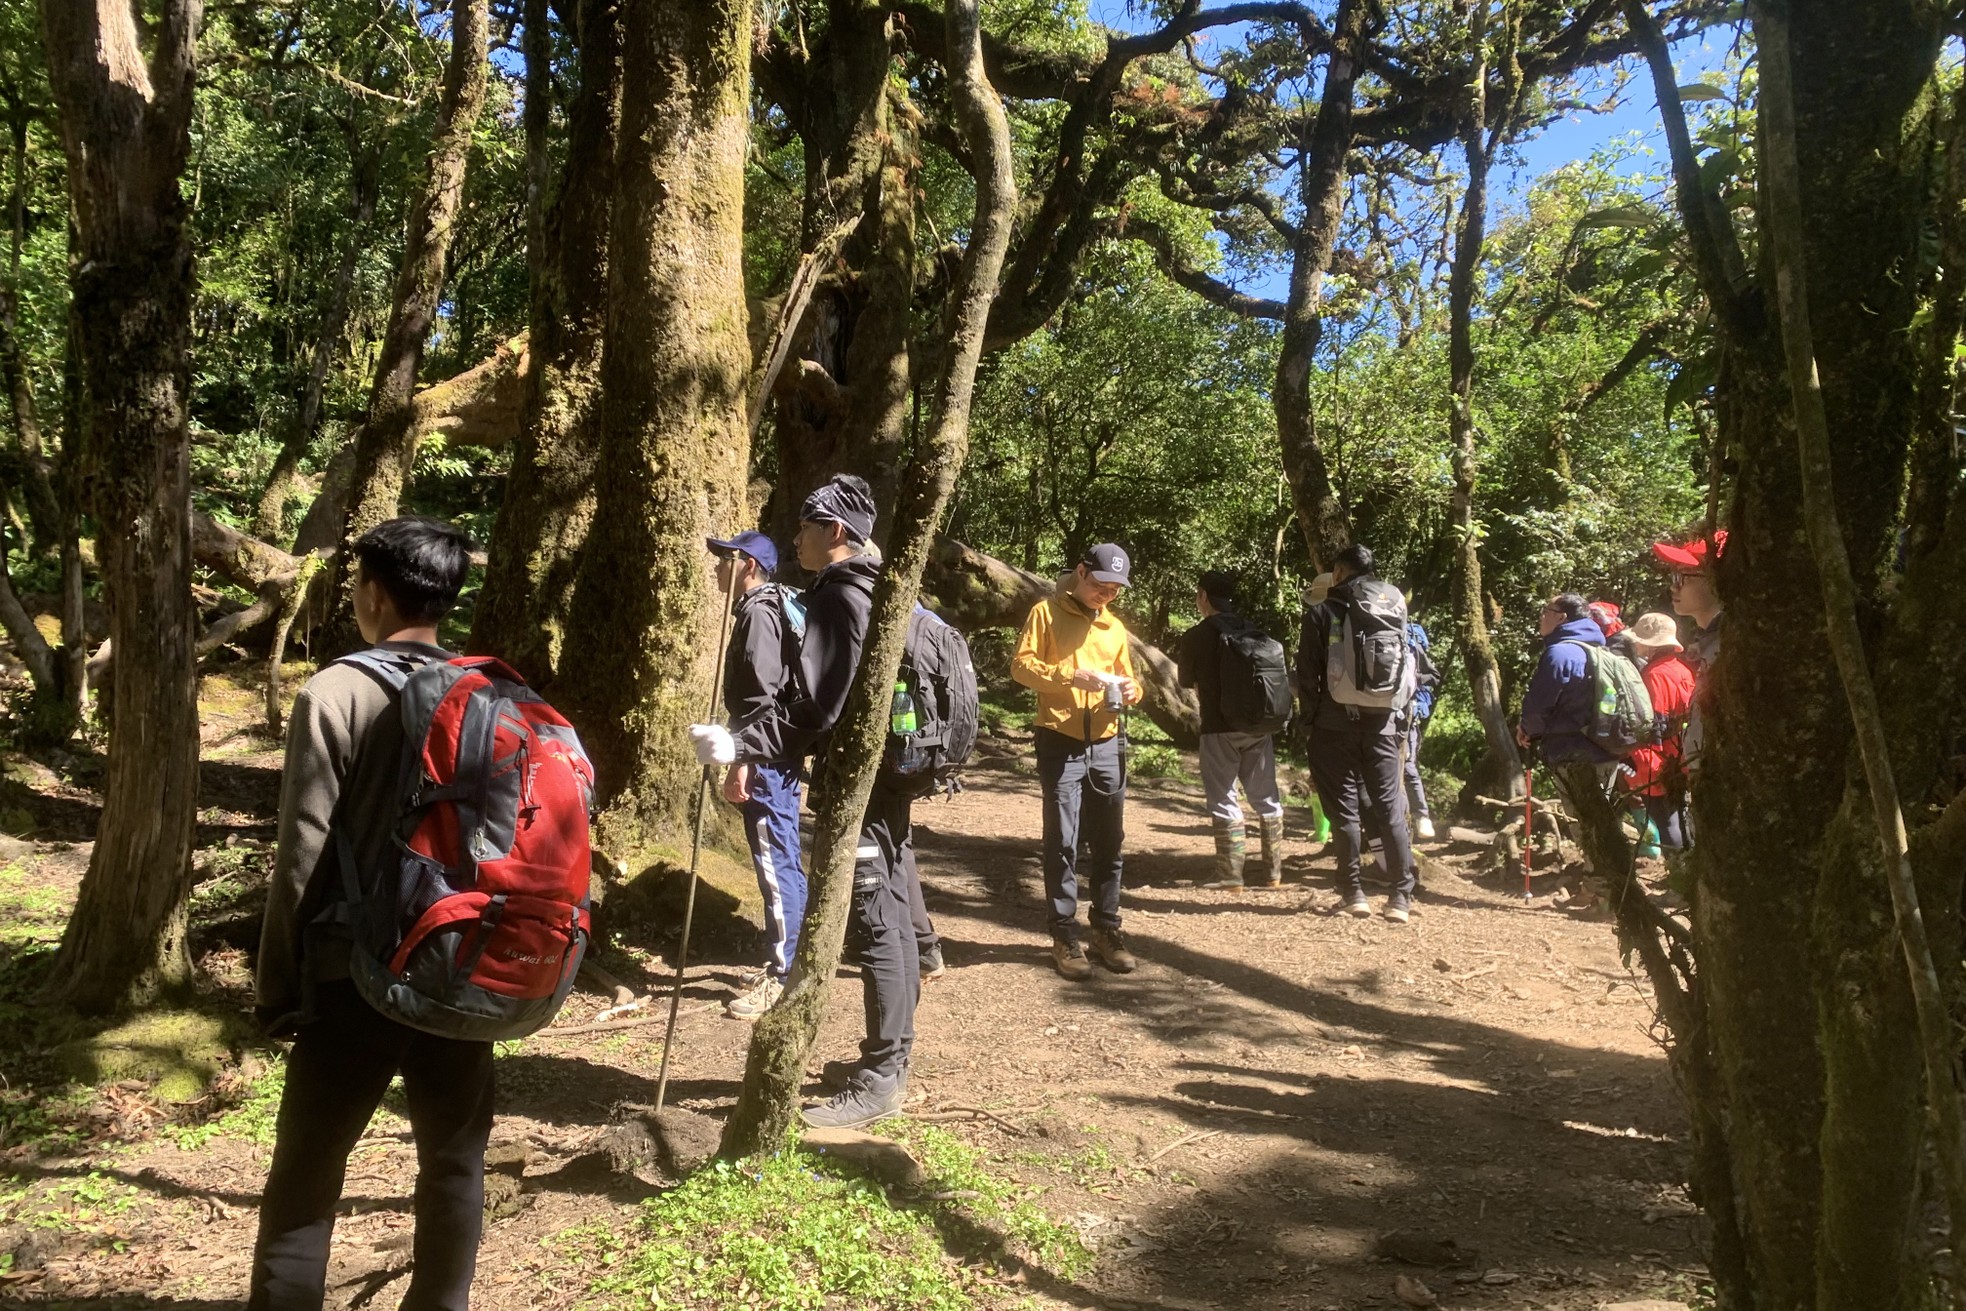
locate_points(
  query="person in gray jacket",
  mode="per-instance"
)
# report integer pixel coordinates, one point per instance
(344, 747)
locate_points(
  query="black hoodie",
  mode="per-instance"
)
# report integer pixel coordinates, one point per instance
(837, 607)
(756, 674)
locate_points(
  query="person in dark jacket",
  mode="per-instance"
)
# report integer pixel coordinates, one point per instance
(758, 669)
(834, 525)
(1230, 755)
(344, 748)
(1355, 750)
(1556, 711)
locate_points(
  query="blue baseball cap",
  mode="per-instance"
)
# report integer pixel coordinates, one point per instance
(755, 545)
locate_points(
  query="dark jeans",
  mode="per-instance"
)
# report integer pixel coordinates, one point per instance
(881, 933)
(1351, 768)
(1084, 807)
(1670, 816)
(925, 934)
(341, 1065)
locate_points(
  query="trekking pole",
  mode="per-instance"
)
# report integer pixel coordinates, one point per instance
(696, 843)
(1528, 818)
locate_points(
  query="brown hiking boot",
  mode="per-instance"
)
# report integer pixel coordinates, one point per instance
(1070, 959)
(1109, 945)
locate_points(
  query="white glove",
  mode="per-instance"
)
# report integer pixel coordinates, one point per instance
(713, 744)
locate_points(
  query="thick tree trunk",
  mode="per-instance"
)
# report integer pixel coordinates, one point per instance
(385, 448)
(549, 496)
(861, 159)
(270, 519)
(1327, 528)
(125, 126)
(1500, 767)
(1819, 1086)
(783, 1038)
(675, 437)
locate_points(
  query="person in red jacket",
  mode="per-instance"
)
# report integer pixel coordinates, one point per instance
(1658, 772)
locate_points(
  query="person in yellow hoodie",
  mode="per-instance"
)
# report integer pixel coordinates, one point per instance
(1073, 652)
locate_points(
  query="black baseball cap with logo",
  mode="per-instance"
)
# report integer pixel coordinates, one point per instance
(1108, 564)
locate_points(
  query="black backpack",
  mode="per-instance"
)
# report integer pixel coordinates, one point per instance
(1254, 678)
(939, 678)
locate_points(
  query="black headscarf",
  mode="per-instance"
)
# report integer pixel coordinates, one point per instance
(845, 500)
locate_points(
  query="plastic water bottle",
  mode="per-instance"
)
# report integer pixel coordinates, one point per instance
(902, 720)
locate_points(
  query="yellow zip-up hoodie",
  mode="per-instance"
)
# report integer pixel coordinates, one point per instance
(1060, 637)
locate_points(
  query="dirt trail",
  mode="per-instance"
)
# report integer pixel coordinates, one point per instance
(1280, 1108)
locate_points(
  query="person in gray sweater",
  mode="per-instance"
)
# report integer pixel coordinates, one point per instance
(344, 747)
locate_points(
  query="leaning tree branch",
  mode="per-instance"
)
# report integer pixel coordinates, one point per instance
(1782, 182)
(1179, 270)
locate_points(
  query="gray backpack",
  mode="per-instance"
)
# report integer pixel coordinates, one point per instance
(1366, 660)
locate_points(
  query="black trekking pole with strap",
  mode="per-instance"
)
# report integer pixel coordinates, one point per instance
(696, 842)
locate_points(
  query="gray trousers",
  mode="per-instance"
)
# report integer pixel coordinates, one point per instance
(880, 933)
(1246, 758)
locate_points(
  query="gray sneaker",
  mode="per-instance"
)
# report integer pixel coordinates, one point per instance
(863, 1102)
(755, 1001)
(1353, 904)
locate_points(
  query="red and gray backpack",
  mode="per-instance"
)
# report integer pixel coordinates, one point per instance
(475, 923)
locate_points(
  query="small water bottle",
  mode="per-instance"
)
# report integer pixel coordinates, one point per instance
(902, 721)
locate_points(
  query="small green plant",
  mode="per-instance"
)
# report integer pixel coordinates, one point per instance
(252, 1119)
(1154, 761)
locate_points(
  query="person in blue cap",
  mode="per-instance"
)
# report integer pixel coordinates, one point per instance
(759, 668)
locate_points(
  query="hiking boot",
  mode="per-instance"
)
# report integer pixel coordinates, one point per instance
(756, 1000)
(865, 1100)
(1231, 848)
(1109, 945)
(1423, 828)
(1396, 909)
(1271, 874)
(933, 966)
(1070, 959)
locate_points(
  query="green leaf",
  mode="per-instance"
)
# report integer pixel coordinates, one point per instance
(1700, 91)
(1618, 216)
(1693, 378)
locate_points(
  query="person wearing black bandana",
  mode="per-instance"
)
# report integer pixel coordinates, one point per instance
(835, 523)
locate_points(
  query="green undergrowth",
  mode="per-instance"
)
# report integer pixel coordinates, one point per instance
(795, 1230)
(253, 1108)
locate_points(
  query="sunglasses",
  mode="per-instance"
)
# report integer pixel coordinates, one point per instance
(1679, 576)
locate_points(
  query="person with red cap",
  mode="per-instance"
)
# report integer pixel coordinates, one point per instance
(1694, 598)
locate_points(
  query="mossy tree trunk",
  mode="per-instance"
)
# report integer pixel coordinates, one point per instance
(783, 1038)
(385, 446)
(549, 495)
(125, 117)
(1818, 1080)
(1499, 768)
(1323, 183)
(843, 405)
(674, 433)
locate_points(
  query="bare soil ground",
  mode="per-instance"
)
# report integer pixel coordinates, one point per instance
(1281, 1108)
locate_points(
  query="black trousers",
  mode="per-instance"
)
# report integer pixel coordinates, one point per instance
(341, 1065)
(880, 933)
(1084, 806)
(1351, 766)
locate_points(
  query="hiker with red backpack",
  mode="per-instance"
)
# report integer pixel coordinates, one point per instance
(1242, 682)
(1355, 674)
(767, 622)
(429, 897)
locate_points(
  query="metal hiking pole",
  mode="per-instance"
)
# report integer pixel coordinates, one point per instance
(1528, 818)
(696, 842)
